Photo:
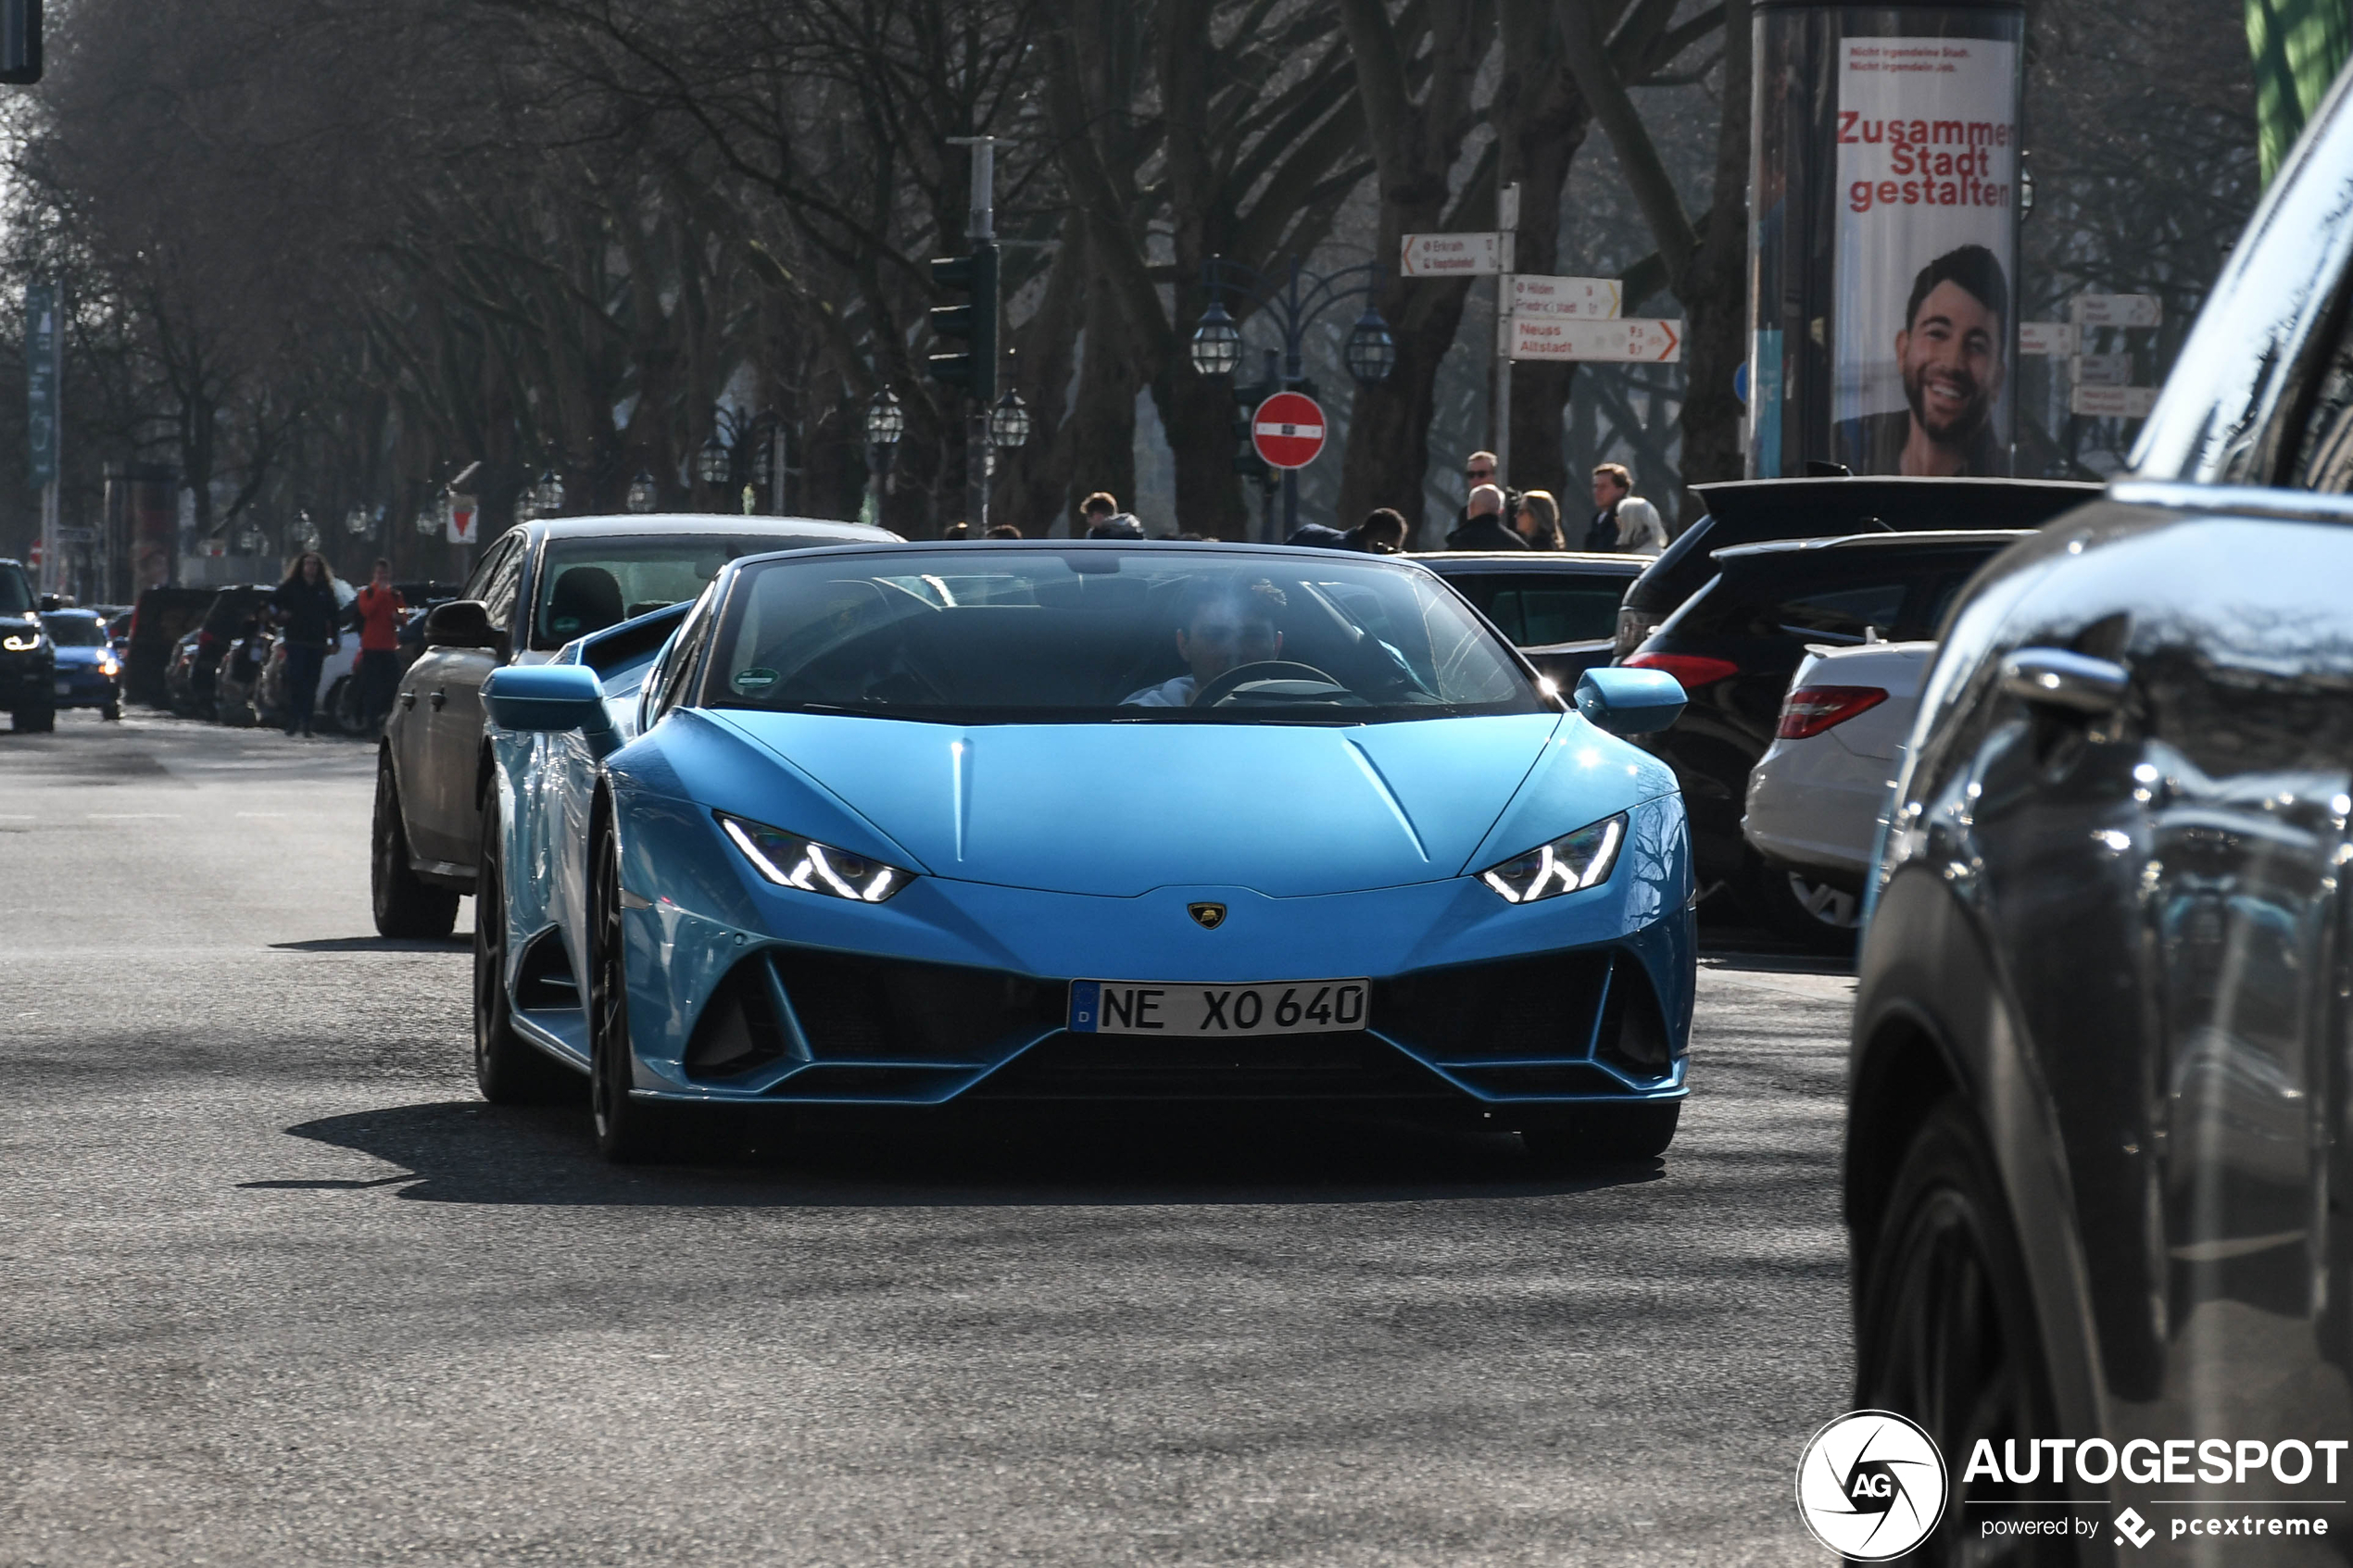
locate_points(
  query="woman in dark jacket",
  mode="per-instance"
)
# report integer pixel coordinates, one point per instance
(306, 606)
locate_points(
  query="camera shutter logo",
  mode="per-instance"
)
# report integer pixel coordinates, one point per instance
(1872, 1486)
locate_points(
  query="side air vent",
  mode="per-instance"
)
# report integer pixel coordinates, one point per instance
(544, 983)
(1633, 1032)
(741, 1029)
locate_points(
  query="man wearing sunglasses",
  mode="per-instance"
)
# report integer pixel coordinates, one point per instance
(1479, 468)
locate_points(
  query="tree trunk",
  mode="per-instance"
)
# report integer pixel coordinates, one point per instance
(1715, 294)
(1541, 120)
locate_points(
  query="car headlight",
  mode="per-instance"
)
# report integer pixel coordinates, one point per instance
(1568, 864)
(20, 642)
(789, 861)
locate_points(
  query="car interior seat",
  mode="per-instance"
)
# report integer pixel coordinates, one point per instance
(585, 598)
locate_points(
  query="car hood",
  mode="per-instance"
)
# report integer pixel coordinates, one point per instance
(1119, 809)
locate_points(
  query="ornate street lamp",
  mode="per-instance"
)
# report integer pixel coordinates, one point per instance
(1009, 421)
(429, 520)
(714, 462)
(547, 496)
(642, 495)
(1371, 352)
(250, 541)
(306, 532)
(357, 522)
(885, 422)
(1217, 342)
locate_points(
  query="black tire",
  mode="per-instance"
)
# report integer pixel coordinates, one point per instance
(1594, 1134)
(405, 905)
(33, 721)
(1817, 916)
(507, 1068)
(112, 713)
(1947, 1333)
(342, 706)
(628, 1131)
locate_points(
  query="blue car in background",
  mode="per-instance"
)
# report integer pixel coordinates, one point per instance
(89, 670)
(906, 825)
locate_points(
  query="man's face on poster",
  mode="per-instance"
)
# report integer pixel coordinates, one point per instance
(1951, 358)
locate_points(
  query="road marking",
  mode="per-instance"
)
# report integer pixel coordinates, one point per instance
(133, 816)
(262, 813)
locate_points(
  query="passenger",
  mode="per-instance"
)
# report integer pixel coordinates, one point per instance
(1002, 530)
(1226, 623)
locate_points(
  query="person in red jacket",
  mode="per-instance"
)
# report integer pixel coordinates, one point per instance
(380, 606)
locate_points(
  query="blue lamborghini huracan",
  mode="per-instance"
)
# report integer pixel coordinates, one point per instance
(906, 824)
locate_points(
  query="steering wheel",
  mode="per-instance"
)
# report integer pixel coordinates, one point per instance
(1241, 675)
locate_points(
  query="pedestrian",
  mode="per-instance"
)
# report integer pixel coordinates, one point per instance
(380, 606)
(1623, 522)
(1381, 534)
(1480, 468)
(1002, 530)
(956, 532)
(306, 608)
(1115, 525)
(1538, 520)
(1483, 527)
(1099, 508)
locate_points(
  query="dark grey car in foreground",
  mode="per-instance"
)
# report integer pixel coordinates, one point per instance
(2099, 1168)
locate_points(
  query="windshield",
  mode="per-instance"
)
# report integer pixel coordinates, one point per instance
(16, 592)
(1536, 609)
(1045, 636)
(75, 631)
(588, 584)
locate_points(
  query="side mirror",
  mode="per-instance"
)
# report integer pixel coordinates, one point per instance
(1629, 702)
(546, 697)
(460, 623)
(50, 602)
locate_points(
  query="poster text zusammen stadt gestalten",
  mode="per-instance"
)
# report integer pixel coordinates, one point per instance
(1927, 221)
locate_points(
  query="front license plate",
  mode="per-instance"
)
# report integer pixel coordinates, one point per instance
(1291, 1007)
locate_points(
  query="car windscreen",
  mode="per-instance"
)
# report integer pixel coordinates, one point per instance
(1537, 608)
(16, 590)
(75, 631)
(1044, 637)
(588, 584)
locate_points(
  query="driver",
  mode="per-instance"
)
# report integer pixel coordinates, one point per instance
(1226, 623)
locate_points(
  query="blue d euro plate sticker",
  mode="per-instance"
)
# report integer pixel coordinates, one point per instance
(1086, 1006)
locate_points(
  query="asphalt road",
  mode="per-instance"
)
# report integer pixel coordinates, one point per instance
(275, 1287)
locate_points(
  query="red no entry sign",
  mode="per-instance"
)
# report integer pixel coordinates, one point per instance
(1288, 429)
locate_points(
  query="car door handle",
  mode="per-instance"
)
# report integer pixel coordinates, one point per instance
(439, 699)
(408, 699)
(2051, 678)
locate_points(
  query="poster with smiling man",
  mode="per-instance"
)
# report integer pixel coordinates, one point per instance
(1927, 248)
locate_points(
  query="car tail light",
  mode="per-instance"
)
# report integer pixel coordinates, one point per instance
(1693, 669)
(1808, 711)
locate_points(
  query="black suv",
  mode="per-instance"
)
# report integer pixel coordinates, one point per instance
(2099, 1145)
(28, 659)
(1749, 511)
(1735, 643)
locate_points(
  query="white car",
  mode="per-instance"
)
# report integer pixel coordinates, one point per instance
(1815, 799)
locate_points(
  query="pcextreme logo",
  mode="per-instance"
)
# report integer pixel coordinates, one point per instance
(1872, 1486)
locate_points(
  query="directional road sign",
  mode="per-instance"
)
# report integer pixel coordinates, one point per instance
(1451, 256)
(2113, 402)
(2104, 370)
(1589, 299)
(1635, 340)
(2046, 337)
(1288, 429)
(2116, 309)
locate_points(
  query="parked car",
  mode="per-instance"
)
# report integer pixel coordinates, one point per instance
(1559, 607)
(1466, 892)
(161, 618)
(87, 672)
(2099, 1148)
(1817, 796)
(539, 585)
(1734, 645)
(239, 674)
(189, 681)
(1752, 511)
(28, 658)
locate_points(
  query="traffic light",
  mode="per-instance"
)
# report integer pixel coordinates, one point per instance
(20, 41)
(975, 371)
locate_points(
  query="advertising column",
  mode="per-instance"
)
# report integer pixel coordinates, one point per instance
(1883, 259)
